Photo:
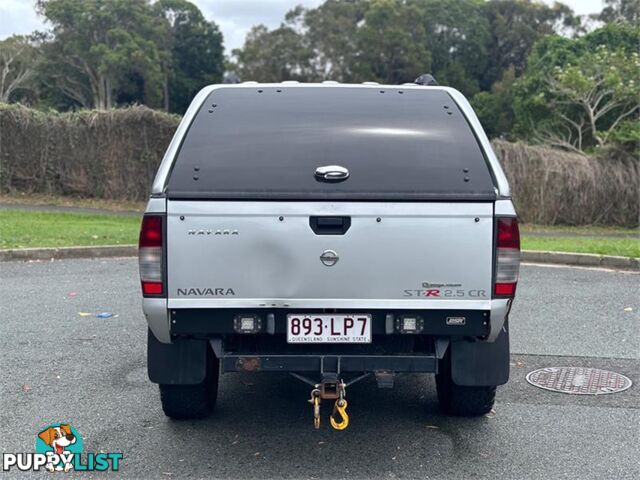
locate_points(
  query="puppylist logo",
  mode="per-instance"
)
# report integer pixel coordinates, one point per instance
(59, 449)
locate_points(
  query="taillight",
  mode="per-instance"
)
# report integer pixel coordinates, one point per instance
(150, 255)
(507, 257)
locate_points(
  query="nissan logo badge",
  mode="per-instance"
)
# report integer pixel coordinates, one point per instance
(329, 258)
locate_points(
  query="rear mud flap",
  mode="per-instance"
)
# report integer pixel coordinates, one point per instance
(481, 364)
(180, 363)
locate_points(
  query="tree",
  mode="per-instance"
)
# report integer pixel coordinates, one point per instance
(196, 53)
(62, 84)
(330, 30)
(620, 11)
(351, 40)
(581, 94)
(18, 64)
(467, 44)
(457, 35)
(274, 56)
(595, 95)
(495, 108)
(391, 43)
(515, 26)
(99, 45)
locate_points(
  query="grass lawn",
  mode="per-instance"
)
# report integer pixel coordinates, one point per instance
(581, 230)
(62, 201)
(22, 229)
(623, 247)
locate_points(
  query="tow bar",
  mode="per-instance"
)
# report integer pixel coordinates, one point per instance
(330, 388)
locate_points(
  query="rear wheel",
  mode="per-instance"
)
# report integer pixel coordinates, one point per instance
(459, 400)
(183, 402)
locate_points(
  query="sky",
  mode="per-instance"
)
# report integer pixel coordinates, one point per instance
(234, 17)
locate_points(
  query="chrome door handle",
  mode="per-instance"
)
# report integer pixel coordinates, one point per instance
(331, 173)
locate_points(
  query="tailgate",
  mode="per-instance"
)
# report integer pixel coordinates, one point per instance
(393, 255)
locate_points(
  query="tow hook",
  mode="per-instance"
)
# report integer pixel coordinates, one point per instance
(315, 401)
(340, 407)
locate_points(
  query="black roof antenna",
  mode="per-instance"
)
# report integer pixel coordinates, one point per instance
(426, 79)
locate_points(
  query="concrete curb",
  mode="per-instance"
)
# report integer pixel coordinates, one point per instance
(68, 252)
(581, 259)
(531, 256)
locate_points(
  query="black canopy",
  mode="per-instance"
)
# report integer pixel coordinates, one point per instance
(266, 143)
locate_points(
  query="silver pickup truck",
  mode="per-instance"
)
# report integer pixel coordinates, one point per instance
(333, 232)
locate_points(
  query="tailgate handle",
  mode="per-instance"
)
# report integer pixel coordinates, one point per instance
(329, 225)
(331, 173)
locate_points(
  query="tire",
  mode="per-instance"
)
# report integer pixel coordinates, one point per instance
(462, 401)
(185, 402)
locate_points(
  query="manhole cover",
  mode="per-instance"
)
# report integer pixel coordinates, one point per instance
(578, 380)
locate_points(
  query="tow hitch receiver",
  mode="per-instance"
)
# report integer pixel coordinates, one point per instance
(330, 386)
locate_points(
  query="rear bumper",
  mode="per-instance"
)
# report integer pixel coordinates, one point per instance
(473, 362)
(272, 353)
(329, 363)
(166, 324)
(268, 350)
(205, 323)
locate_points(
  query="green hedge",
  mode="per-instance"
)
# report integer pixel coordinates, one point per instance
(115, 154)
(104, 154)
(554, 187)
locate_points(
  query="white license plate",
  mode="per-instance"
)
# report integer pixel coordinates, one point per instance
(342, 328)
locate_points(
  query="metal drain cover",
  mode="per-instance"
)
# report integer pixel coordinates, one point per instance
(578, 380)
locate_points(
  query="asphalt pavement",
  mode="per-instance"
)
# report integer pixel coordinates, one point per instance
(59, 366)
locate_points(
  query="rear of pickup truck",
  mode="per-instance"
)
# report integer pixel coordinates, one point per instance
(333, 232)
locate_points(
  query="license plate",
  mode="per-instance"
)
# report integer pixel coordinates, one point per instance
(343, 328)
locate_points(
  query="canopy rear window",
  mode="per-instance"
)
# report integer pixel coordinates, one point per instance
(267, 142)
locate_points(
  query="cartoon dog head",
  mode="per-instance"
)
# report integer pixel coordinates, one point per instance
(58, 437)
